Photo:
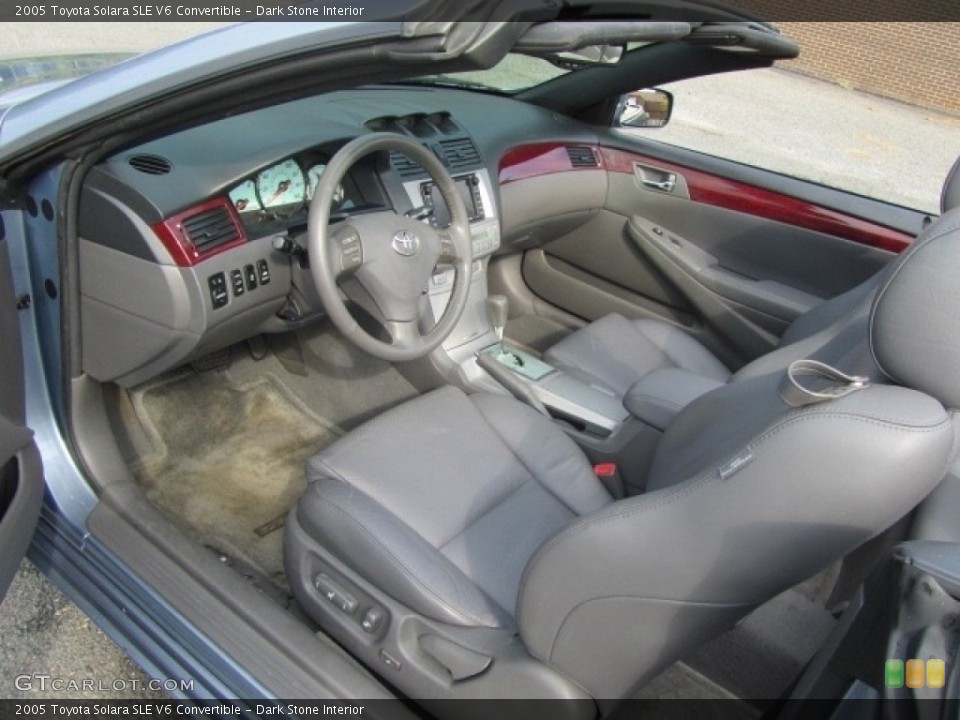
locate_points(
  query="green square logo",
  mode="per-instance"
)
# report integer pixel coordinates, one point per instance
(893, 673)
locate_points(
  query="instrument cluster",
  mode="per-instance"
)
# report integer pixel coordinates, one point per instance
(282, 191)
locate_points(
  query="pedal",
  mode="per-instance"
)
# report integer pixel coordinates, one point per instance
(289, 351)
(257, 345)
(214, 361)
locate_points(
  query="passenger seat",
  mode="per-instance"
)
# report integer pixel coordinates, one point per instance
(615, 352)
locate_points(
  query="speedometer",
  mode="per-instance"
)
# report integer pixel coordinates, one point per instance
(313, 179)
(282, 188)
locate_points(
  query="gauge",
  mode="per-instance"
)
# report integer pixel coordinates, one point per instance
(244, 197)
(282, 188)
(313, 179)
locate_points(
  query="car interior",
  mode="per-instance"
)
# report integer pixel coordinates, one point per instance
(503, 399)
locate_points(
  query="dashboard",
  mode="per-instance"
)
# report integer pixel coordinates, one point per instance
(182, 238)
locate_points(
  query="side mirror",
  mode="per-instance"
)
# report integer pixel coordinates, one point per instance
(644, 109)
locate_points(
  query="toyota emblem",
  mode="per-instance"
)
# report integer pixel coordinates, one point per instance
(406, 243)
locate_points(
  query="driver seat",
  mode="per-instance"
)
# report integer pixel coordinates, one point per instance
(461, 544)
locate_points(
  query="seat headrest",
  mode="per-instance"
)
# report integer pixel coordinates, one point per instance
(950, 195)
(915, 318)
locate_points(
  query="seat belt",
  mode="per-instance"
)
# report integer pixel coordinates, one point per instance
(808, 382)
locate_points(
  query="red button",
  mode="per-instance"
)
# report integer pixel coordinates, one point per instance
(605, 470)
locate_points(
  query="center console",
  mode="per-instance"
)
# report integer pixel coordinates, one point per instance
(582, 407)
(586, 408)
(476, 190)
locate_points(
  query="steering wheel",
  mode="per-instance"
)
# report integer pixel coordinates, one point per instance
(392, 256)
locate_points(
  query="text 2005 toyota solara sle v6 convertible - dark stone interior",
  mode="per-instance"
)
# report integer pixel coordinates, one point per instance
(388, 359)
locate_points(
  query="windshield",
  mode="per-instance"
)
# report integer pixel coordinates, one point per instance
(51, 53)
(513, 74)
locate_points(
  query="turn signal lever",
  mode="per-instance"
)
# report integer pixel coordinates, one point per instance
(288, 246)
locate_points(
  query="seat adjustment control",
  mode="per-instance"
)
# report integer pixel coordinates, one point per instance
(372, 620)
(336, 593)
(389, 660)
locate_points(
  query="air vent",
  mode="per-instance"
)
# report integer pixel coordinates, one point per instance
(582, 157)
(150, 164)
(444, 123)
(405, 166)
(210, 229)
(460, 154)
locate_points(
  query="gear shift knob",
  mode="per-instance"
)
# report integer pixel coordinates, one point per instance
(497, 313)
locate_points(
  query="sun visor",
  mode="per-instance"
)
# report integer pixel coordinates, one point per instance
(744, 37)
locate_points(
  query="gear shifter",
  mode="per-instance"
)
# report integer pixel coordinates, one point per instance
(498, 362)
(497, 313)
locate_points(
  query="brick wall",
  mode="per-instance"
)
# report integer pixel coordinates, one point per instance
(918, 63)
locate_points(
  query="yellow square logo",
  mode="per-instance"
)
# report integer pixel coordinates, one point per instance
(936, 673)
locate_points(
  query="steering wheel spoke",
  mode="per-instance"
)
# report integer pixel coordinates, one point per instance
(448, 249)
(404, 333)
(346, 249)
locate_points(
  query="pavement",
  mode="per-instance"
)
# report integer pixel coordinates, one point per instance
(42, 633)
(818, 131)
(773, 118)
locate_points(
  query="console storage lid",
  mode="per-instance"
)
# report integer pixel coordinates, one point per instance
(659, 396)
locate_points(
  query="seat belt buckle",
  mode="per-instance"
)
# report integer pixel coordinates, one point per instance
(606, 470)
(609, 475)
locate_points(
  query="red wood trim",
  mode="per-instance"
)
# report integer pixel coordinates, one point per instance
(741, 197)
(527, 161)
(175, 240)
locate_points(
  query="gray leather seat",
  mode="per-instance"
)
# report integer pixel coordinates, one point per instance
(495, 564)
(615, 352)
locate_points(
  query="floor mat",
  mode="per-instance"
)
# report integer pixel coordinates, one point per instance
(336, 381)
(228, 461)
(760, 658)
(683, 683)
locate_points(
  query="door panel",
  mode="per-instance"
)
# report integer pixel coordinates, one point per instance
(753, 258)
(875, 212)
(21, 476)
(818, 264)
(730, 194)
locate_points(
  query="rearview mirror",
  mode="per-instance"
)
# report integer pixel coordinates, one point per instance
(645, 109)
(587, 56)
